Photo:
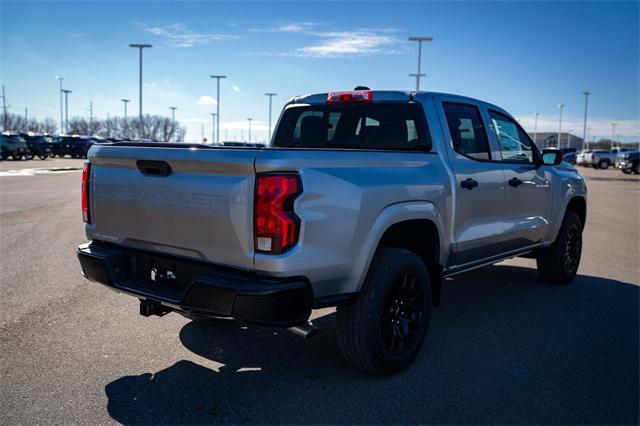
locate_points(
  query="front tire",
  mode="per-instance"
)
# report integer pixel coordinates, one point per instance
(559, 263)
(383, 331)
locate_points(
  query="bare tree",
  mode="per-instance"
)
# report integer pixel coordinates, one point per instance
(156, 128)
(17, 123)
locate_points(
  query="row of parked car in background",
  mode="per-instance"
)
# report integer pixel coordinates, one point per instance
(19, 146)
(625, 159)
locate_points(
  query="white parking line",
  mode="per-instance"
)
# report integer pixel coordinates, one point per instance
(40, 171)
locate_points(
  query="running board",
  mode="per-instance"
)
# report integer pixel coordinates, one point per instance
(467, 267)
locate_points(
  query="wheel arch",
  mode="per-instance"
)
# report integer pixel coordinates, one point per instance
(578, 205)
(415, 226)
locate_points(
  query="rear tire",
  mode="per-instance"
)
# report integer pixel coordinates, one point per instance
(603, 164)
(559, 263)
(384, 330)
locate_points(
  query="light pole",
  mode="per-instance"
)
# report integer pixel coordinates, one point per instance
(140, 47)
(535, 128)
(90, 109)
(418, 74)
(173, 120)
(613, 132)
(60, 78)
(587, 140)
(125, 101)
(417, 77)
(66, 109)
(584, 126)
(561, 106)
(4, 109)
(249, 120)
(213, 127)
(270, 95)
(218, 77)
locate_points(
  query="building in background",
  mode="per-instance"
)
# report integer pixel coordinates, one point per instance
(550, 139)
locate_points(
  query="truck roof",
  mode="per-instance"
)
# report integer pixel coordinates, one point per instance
(390, 96)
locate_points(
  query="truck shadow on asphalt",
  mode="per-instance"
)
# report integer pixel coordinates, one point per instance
(502, 348)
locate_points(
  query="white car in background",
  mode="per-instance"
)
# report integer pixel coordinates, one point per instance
(581, 159)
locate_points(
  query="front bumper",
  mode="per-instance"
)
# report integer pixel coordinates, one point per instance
(197, 288)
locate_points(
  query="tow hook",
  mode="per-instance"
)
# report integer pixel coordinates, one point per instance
(151, 307)
(304, 330)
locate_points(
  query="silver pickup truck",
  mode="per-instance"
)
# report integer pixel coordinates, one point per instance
(364, 200)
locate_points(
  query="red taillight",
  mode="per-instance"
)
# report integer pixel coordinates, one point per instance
(276, 225)
(86, 172)
(349, 97)
(593, 156)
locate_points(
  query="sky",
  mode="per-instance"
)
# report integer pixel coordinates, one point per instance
(526, 57)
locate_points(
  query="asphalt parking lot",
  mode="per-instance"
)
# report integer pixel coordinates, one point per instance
(502, 348)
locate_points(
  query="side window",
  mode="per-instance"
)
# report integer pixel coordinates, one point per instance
(515, 146)
(467, 131)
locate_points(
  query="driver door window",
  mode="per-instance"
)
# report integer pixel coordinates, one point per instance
(515, 146)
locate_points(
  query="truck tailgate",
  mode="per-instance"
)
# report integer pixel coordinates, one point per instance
(203, 209)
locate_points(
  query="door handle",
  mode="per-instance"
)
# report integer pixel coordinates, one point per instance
(469, 183)
(515, 182)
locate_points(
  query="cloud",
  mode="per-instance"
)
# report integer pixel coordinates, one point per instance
(599, 127)
(178, 35)
(335, 44)
(291, 27)
(361, 42)
(235, 88)
(206, 101)
(156, 83)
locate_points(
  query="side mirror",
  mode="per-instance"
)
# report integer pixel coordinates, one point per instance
(551, 157)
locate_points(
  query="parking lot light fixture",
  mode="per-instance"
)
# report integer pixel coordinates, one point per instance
(270, 95)
(417, 77)
(60, 78)
(584, 127)
(140, 47)
(213, 127)
(418, 74)
(66, 109)
(125, 101)
(561, 106)
(218, 77)
(613, 133)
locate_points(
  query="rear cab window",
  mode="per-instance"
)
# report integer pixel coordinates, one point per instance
(371, 126)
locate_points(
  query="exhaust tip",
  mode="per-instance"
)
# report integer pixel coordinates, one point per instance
(304, 330)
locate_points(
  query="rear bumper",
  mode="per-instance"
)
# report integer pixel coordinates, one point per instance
(197, 288)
